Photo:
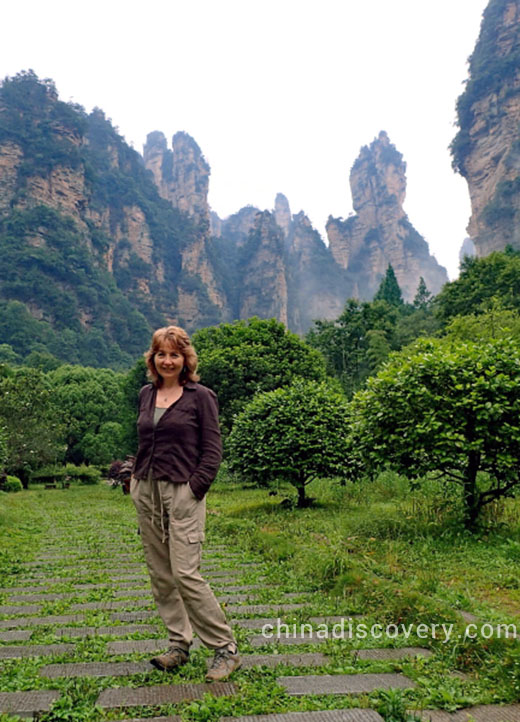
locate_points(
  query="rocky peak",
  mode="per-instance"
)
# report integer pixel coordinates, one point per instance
(282, 213)
(380, 232)
(378, 178)
(237, 227)
(486, 150)
(181, 175)
(264, 290)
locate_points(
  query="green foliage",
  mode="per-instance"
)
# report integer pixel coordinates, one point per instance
(294, 434)
(12, 484)
(495, 323)
(68, 473)
(481, 281)
(423, 297)
(389, 289)
(448, 407)
(491, 72)
(91, 402)
(32, 422)
(356, 343)
(240, 359)
(84, 474)
(31, 116)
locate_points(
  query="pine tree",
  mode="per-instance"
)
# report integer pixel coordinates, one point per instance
(389, 290)
(423, 297)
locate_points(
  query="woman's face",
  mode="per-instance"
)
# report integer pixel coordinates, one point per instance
(169, 362)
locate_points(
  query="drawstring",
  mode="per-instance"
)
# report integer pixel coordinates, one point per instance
(156, 491)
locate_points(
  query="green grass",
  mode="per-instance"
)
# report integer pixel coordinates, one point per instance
(379, 550)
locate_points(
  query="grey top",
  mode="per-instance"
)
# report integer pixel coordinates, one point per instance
(158, 412)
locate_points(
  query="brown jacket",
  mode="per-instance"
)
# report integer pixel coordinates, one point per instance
(185, 444)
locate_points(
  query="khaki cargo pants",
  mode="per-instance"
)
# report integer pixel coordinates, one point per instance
(171, 521)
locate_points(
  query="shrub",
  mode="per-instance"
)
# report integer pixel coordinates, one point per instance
(13, 483)
(445, 407)
(83, 474)
(296, 434)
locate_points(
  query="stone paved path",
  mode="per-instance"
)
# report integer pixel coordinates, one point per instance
(98, 621)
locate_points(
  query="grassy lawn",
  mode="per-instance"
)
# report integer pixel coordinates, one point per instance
(392, 555)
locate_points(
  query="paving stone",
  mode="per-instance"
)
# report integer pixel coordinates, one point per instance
(343, 683)
(95, 669)
(271, 660)
(120, 631)
(239, 588)
(333, 715)
(392, 653)
(21, 635)
(176, 718)
(109, 604)
(162, 694)
(259, 640)
(39, 621)
(28, 609)
(232, 598)
(334, 619)
(133, 593)
(482, 713)
(34, 650)
(223, 573)
(46, 597)
(142, 645)
(255, 623)
(468, 617)
(132, 616)
(263, 608)
(27, 703)
(22, 590)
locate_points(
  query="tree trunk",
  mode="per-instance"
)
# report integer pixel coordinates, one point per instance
(471, 496)
(302, 501)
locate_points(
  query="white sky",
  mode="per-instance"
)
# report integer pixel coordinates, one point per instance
(279, 94)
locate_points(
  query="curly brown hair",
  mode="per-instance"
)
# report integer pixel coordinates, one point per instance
(179, 340)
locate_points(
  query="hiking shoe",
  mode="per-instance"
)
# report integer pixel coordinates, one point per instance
(224, 662)
(170, 660)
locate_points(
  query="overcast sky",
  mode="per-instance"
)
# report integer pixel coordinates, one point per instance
(279, 94)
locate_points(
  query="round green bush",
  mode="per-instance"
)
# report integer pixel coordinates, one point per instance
(13, 484)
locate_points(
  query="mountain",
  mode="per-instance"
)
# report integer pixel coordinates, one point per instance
(380, 233)
(99, 245)
(486, 149)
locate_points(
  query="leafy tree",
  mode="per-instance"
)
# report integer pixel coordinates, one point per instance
(389, 289)
(91, 402)
(132, 383)
(448, 407)
(32, 422)
(357, 341)
(240, 359)
(481, 280)
(495, 323)
(296, 434)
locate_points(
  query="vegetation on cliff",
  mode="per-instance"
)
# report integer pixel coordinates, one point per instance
(492, 72)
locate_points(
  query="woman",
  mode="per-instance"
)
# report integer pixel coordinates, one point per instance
(178, 458)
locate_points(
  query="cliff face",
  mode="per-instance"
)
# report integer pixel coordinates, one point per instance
(486, 150)
(182, 178)
(380, 232)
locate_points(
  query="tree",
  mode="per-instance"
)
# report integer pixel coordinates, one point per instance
(356, 342)
(449, 407)
(389, 289)
(296, 434)
(481, 281)
(238, 360)
(90, 399)
(32, 422)
(495, 323)
(423, 297)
